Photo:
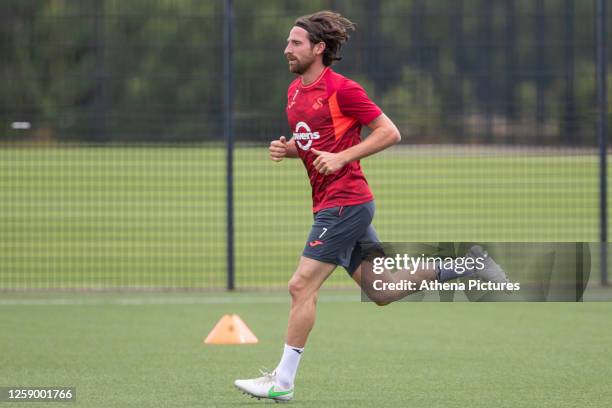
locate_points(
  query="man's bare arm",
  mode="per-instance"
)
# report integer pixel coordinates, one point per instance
(384, 134)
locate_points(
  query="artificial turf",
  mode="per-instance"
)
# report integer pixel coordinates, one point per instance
(145, 350)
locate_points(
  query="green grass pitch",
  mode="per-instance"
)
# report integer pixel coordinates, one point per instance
(151, 217)
(146, 350)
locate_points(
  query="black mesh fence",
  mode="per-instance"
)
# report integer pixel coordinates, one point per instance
(112, 170)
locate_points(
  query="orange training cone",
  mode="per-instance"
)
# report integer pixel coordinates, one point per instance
(231, 330)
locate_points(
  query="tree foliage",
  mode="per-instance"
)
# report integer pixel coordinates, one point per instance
(452, 71)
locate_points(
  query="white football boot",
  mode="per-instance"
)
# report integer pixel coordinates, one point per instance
(491, 272)
(264, 387)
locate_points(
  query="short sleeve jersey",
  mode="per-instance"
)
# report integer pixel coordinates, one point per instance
(328, 115)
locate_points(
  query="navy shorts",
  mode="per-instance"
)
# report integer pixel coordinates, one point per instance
(338, 234)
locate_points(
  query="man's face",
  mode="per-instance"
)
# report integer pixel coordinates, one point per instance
(299, 51)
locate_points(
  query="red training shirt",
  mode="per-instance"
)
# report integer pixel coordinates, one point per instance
(328, 115)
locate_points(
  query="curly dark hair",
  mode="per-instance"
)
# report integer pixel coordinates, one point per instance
(330, 28)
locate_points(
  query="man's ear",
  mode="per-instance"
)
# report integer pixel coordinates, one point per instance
(319, 48)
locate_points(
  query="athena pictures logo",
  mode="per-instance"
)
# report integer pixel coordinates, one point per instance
(304, 136)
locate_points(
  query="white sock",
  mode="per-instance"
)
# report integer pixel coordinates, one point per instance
(287, 368)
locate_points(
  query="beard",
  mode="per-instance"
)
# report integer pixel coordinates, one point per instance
(300, 67)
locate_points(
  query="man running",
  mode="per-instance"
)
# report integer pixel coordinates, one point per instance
(326, 112)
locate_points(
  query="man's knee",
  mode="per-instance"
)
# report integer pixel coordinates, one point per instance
(307, 279)
(383, 301)
(380, 298)
(295, 286)
(299, 288)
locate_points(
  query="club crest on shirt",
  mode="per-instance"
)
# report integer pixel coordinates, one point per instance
(317, 104)
(303, 136)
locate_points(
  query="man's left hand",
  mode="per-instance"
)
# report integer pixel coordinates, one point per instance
(328, 163)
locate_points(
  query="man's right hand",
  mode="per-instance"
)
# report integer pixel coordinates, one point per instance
(278, 149)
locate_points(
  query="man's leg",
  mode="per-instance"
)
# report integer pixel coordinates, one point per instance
(330, 242)
(303, 288)
(365, 278)
(360, 269)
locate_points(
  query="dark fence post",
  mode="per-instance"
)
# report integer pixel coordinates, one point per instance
(228, 131)
(602, 133)
(372, 51)
(511, 68)
(486, 54)
(570, 125)
(460, 58)
(540, 32)
(99, 114)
